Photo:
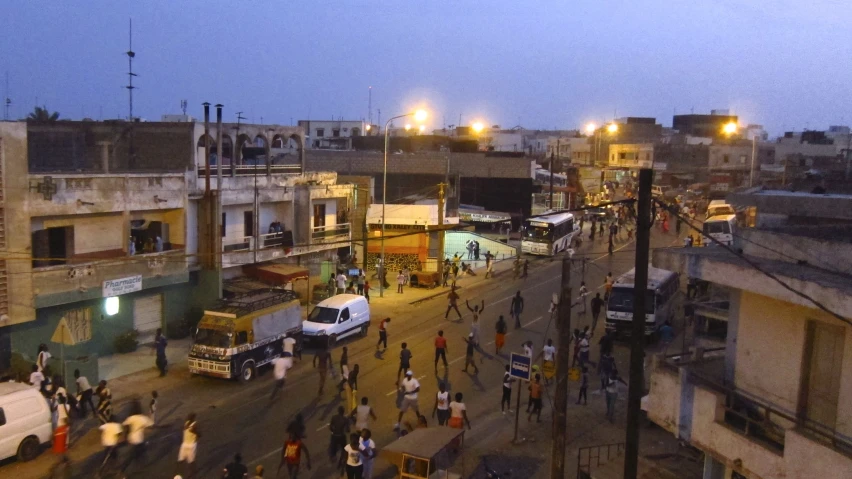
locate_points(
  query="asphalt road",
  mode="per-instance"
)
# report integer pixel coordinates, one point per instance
(235, 417)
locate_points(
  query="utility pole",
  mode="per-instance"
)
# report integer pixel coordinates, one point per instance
(563, 363)
(441, 187)
(637, 338)
(551, 175)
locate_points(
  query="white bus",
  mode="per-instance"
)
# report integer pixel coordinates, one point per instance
(720, 228)
(548, 235)
(660, 300)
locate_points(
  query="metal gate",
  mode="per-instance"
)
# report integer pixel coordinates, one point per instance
(589, 458)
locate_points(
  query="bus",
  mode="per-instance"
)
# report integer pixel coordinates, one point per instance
(660, 299)
(721, 228)
(549, 234)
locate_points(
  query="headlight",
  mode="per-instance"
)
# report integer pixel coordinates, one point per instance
(320, 332)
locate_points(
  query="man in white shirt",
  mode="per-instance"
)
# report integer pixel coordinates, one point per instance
(548, 353)
(110, 437)
(279, 369)
(341, 283)
(189, 445)
(289, 346)
(84, 390)
(368, 453)
(136, 426)
(410, 388)
(36, 377)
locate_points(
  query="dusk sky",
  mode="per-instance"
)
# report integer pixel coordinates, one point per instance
(540, 64)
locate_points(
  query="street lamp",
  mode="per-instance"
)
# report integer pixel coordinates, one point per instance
(407, 126)
(729, 129)
(590, 128)
(422, 129)
(612, 128)
(418, 115)
(477, 127)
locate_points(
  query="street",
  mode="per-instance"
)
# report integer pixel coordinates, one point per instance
(239, 418)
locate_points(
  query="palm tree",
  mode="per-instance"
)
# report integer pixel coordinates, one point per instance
(43, 114)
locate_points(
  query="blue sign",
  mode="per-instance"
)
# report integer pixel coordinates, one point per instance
(520, 366)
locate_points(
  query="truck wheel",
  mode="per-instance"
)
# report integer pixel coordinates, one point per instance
(332, 341)
(364, 331)
(29, 449)
(247, 371)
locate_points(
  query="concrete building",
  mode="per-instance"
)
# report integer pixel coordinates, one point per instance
(572, 150)
(633, 156)
(731, 162)
(768, 400)
(332, 134)
(412, 236)
(704, 125)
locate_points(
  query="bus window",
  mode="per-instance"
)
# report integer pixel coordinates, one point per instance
(621, 300)
(242, 338)
(716, 227)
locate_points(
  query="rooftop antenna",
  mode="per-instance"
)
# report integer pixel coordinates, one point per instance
(370, 106)
(7, 103)
(130, 56)
(183, 105)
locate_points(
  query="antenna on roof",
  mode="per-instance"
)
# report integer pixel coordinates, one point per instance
(130, 56)
(7, 103)
(183, 105)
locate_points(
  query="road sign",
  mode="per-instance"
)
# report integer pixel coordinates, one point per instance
(520, 366)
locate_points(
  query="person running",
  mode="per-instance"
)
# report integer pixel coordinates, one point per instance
(582, 297)
(442, 404)
(136, 425)
(489, 264)
(85, 392)
(452, 299)
(468, 358)
(339, 428)
(584, 387)
(516, 307)
(160, 344)
(608, 285)
(279, 369)
(189, 444)
(368, 453)
(104, 402)
(400, 282)
(354, 451)
(441, 351)
(322, 362)
(236, 469)
(500, 337)
(383, 335)
(297, 427)
(535, 398)
(410, 388)
(404, 361)
(362, 414)
(597, 306)
(291, 455)
(458, 413)
(111, 432)
(367, 291)
(506, 400)
(344, 370)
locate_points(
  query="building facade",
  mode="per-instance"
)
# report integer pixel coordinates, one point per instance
(332, 134)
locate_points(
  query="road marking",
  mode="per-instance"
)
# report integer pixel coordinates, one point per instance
(321, 428)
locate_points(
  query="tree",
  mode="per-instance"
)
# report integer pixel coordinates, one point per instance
(43, 114)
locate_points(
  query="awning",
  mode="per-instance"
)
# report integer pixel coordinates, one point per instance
(277, 274)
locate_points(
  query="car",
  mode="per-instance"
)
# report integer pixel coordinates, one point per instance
(337, 317)
(24, 421)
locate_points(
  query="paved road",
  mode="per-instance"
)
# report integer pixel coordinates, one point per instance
(236, 417)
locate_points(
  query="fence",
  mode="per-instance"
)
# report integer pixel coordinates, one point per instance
(589, 458)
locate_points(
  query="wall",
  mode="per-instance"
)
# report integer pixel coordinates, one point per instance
(642, 155)
(822, 251)
(464, 164)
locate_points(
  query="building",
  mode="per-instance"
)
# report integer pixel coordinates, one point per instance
(767, 399)
(737, 163)
(332, 134)
(632, 156)
(704, 125)
(412, 236)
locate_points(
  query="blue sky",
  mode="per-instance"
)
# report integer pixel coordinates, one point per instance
(541, 64)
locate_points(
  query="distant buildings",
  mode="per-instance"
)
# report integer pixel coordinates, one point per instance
(332, 134)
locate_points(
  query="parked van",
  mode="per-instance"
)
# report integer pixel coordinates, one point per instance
(719, 208)
(337, 317)
(658, 191)
(721, 228)
(24, 421)
(243, 333)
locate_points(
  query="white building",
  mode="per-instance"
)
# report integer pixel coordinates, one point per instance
(332, 134)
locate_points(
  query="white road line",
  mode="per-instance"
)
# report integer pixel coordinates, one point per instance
(322, 427)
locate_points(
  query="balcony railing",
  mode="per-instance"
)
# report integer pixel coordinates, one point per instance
(230, 245)
(330, 234)
(251, 170)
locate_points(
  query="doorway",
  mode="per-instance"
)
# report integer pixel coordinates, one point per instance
(823, 361)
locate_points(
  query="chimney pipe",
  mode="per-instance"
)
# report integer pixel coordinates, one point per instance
(206, 148)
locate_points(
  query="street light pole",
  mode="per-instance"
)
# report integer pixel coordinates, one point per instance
(753, 154)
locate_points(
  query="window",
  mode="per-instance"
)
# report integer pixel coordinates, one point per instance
(222, 226)
(80, 324)
(622, 156)
(320, 132)
(742, 159)
(248, 223)
(726, 158)
(344, 315)
(242, 338)
(335, 132)
(2, 417)
(319, 215)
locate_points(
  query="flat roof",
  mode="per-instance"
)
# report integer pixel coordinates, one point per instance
(339, 300)
(12, 387)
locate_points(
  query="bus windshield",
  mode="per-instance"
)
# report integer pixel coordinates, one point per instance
(716, 227)
(213, 337)
(621, 300)
(538, 233)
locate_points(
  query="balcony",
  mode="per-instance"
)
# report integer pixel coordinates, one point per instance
(690, 398)
(250, 170)
(241, 250)
(61, 284)
(338, 233)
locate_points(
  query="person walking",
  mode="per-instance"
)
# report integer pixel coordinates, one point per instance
(362, 279)
(583, 346)
(279, 370)
(160, 344)
(612, 393)
(445, 271)
(500, 336)
(468, 358)
(442, 404)
(136, 425)
(189, 445)
(352, 386)
(441, 351)
(458, 413)
(367, 291)
(368, 453)
(525, 268)
(584, 387)
(582, 297)
(42, 358)
(516, 307)
(404, 361)
(291, 455)
(506, 400)
(297, 426)
(322, 362)
(611, 246)
(339, 428)
(400, 282)
(362, 414)
(605, 346)
(341, 283)
(344, 370)
(383, 334)
(489, 264)
(354, 463)
(104, 402)
(452, 303)
(289, 350)
(608, 286)
(236, 469)
(84, 391)
(597, 307)
(548, 357)
(605, 369)
(410, 388)
(535, 398)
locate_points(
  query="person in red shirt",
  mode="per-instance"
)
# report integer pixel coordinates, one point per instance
(291, 455)
(383, 334)
(441, 350)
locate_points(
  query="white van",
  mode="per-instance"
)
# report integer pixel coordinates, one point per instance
(719, 208)
(337, 317)
(658, 191)
(721, 228)
(24, 421)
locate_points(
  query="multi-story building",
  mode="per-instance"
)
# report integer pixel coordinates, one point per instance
(632, 156)
(736, 163)
(711, 125)
(108, 229)
(332, 134)
(768, 400)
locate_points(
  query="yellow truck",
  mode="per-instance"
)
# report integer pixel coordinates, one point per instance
(243, 333)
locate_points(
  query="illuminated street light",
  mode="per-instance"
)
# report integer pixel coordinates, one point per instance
(612, 128)
(407, 126)
(730, 128)
(369, 127)
(590, 128)
(422, 129)
(420, 115)
(477, 127)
